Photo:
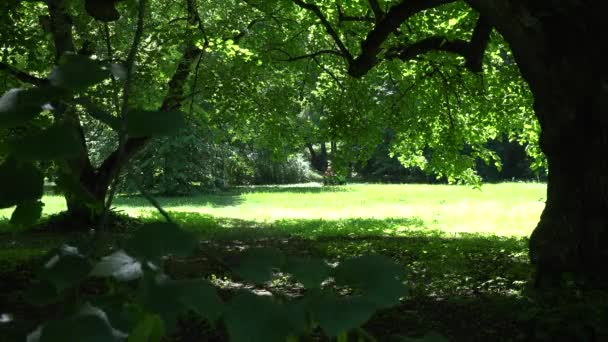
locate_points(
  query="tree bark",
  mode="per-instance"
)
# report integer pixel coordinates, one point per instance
(557, 51)
(572, 235)
(87, 210)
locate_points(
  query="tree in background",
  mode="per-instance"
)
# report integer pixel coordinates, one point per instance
(156, 67)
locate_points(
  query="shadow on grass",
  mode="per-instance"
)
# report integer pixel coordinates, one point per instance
(468, 287)
(290, 189)
(440, 264)
(227, 199)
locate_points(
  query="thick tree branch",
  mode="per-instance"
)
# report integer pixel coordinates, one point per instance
(172, 100)
(61, 28)
(472, 51)
(378, 12)
(342, 17)
(478, 44)
(411, 51)
(291, 58)
(395, 16)
(330, 30)
(22, 76)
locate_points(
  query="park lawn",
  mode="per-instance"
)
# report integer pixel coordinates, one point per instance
(508, 209)
(464, 249)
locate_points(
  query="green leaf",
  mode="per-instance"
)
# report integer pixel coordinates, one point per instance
(19, 182)
(118, 265)
(310, 272)
(158, 296)
(257, 264)
(201, 297)
(41, 293)
(65, 270)
(118, 71)
(256, 318)
(378, 276)
(169, 298)
(149, 329)
(123, 315)
(27, 213)
(336, 315)
(155, 240)
(90, 324)
(105, 117)
(77, 72)
(58, 141)
(18, 106)
(99, 114)
(142, 123)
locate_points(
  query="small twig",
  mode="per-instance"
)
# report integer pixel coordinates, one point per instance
(111, 57)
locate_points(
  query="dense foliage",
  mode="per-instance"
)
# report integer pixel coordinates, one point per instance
(110, 84)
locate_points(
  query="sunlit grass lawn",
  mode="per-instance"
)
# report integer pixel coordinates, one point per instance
(464, 249)
(508, 209)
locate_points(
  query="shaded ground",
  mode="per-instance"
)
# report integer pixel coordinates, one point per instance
(465, 287)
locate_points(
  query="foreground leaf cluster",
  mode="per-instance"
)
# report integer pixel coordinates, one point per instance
(142, 303)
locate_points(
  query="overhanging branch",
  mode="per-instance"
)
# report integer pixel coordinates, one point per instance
(343, 17)
(22, 76)
(472, 50)
(411, 51)
(478, 44)
(378, 12)
(396, 15)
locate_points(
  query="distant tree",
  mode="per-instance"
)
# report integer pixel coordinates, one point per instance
(155, 60)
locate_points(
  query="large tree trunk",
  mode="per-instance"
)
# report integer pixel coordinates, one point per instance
(87, 210)
(557, 50)
(572, 235)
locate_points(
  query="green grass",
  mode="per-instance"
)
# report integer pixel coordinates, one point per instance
(464, 250)
(508, 209)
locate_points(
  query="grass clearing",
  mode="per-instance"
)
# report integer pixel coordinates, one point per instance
(465, 250)
(508, 209)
